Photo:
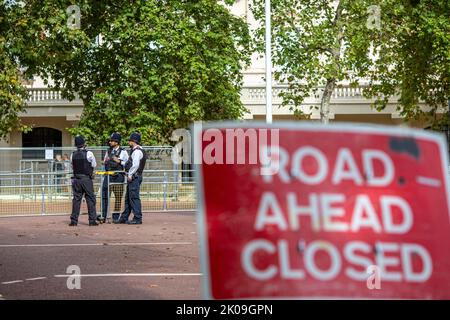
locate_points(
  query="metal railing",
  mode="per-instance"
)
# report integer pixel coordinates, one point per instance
(255, 94)
(49, 95)
(33, 185)
(42, 159)
(160, 191)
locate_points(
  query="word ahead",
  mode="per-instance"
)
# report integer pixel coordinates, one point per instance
(338, 201)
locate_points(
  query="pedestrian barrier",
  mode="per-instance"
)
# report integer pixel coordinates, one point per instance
(41, 199)
(38, 187)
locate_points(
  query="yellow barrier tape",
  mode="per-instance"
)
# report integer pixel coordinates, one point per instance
(110, 173)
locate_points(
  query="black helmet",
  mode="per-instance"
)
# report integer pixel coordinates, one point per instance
(79, 141)
(136, 137)
(115, 137)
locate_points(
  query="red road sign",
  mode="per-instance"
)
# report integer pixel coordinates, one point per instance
(348, 212)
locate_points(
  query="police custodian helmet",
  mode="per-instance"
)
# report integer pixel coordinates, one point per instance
(115, 137)
(79, 141)
(136, 137)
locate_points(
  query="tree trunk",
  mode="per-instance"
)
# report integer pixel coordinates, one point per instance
(325, 102)
(336, 56)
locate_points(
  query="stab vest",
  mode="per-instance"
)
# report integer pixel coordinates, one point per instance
(80, 163)
(142, 162)
(110, 165)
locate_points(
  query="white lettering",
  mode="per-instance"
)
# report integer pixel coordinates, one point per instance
(326, 200)
(344, 158)
(269, 203)
(387, 202)
(298, 169)
(311, 266)
(247, 260)
(368, 162)
(362, 205)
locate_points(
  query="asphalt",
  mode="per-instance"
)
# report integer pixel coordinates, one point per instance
(156, 260)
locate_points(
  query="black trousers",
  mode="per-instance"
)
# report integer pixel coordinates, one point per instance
(133, 200)
(83, 186)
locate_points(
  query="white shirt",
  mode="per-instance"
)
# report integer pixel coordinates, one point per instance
(136, 156)
(89, 157)
(123, 156)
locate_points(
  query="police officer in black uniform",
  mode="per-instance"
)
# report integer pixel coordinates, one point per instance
(134, 168)
(115, 160)
(83, 164)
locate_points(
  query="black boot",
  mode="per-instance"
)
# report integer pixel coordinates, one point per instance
(101, 219)
(134, 222)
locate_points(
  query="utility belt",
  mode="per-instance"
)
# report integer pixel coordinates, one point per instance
(82, 176)
(135, 176)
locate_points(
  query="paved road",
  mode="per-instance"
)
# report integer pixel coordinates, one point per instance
(155, 260)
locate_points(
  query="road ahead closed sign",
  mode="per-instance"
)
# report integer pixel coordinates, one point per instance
(311, 211)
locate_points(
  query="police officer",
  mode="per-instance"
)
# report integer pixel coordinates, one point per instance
(83, 164)
(134, 168)
(115, 160)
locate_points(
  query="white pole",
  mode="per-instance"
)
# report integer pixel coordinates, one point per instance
(268, 63)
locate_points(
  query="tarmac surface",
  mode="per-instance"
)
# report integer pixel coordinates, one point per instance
(156, 260)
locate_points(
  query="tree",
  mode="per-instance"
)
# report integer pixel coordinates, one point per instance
(12, 93)
(414, 58)
(149, 65)
(318, 44)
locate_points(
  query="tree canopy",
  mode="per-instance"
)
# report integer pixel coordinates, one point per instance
(149, 66)
(414, 57)
(12, 93)
(399, 47)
